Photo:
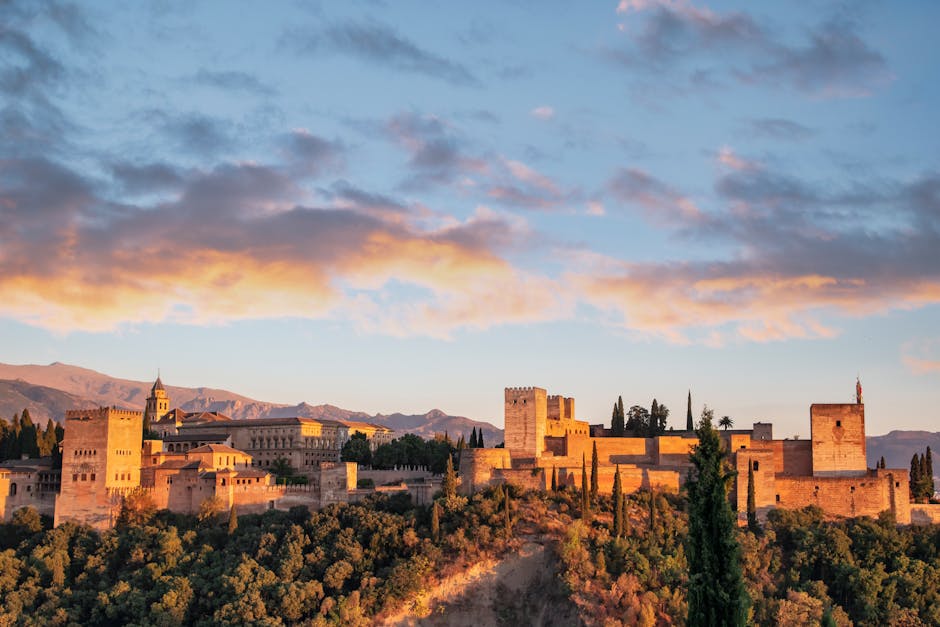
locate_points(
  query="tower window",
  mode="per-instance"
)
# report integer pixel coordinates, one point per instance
(778, 498)
(756, 465)
(838, 423)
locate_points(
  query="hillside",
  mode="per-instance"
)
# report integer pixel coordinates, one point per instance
(898, 447)
(50, 390)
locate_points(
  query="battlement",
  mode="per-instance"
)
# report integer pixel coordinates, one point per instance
(102, 413)
(525, 389)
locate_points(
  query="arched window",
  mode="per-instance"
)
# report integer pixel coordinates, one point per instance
(12, 489)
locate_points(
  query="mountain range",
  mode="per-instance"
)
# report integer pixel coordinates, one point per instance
(48, 391)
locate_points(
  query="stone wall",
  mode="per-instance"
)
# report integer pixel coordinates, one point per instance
(838, 435)
(867, 495)
(925, 514)
(793, 458)
(478, 466)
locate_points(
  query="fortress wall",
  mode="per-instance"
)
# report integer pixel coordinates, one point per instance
(555, 409)
(632, 478)
(526, 478)
(838, 435)
(383, 477)
(765, 488)
(925, 514)
(793, 457)
(555, 447)
(611, 450)
(42, 502)
(838, 496)
(477, 466)
(561, 428)
(569, 408)
(525, 411)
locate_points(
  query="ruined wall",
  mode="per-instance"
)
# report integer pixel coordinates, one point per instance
(525, 411)
(101, 459)
(838, 435)
(477, 467)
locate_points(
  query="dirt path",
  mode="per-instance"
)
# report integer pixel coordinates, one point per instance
(521, 589)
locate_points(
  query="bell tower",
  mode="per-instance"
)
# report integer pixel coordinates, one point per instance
(158, 403)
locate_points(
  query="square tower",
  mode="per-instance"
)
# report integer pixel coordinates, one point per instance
(525, 411)
(100, 462)
(838, 434)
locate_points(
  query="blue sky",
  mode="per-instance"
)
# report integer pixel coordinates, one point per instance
(398, 206)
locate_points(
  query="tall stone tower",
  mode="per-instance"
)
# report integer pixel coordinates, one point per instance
(525, 411)
(100, 463)
(158, 403)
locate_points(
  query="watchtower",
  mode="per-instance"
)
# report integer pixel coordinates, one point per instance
(525, 412)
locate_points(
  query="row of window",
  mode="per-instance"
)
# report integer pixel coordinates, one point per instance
(84, 476)
(83, 452)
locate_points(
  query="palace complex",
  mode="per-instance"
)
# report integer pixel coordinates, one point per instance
(829, 470)
(195, 456)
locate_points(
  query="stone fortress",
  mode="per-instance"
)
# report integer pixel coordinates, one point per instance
(201, 455)
(828, 470)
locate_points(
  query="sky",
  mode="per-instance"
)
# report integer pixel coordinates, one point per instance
(399, 206)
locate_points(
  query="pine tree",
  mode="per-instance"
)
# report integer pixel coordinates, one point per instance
(436, 521)
(554, 479)
(688, 414)
(585, 503)
(751, 499)
(232, 520)
(716, 588)
(594, 473)
(449, 483)
(618, 504)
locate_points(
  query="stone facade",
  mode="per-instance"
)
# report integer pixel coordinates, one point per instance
(28, 483)
(828, 470)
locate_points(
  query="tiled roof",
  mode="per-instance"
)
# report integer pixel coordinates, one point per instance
(215, 448)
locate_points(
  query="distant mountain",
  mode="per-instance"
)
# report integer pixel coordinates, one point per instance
(899, 446)
(50, 390)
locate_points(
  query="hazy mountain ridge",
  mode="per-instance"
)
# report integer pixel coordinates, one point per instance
(50, 390)
(898, 447)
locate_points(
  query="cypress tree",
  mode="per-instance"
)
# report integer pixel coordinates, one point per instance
(449, 483)
(751, 500)
(915, 477)
(716, 588)
(618, 504)
(473, 438)
(929, 471)
(688, 414)
(881, 462)
(617, 418)
(585, 504)
(480, 438)
(554, 479)
(594, 473)
(652, 515)
(654, 419)
(232, 520)
(436, 521)
(508, 517)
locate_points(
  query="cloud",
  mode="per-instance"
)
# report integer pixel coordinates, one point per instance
(233, 81)
(727, 157)
(779, 128)
(195, 133)
(438, 154)
(310, 155)
(922, 356)
(832, 60)
(543, 112)
(660, 201)
(377, 43)
(238, 241)
(146, 178)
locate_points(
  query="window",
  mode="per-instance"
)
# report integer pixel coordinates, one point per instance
(778, 498)
(75, 477)
(897, 484)
(12, 489)
(756, 465)
(84, 477)
(838, 423)
(92, 476)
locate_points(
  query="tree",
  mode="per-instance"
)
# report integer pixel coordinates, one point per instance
(751, 499)
(594, 473)
(357, 449)
(658, 416)
(617, 418)
(508, 517)
(652, 514)
(726, 422)
(480, 438)
(929, 472)
(232, 520)
(449, 482)
(881, 462)
(688, 414)
(618, 504)
(473, 438)
(638, 420)
(716, 588)
(282, 469)
(436, 521)
(585, 503)
(554, 479)
(915, 478)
